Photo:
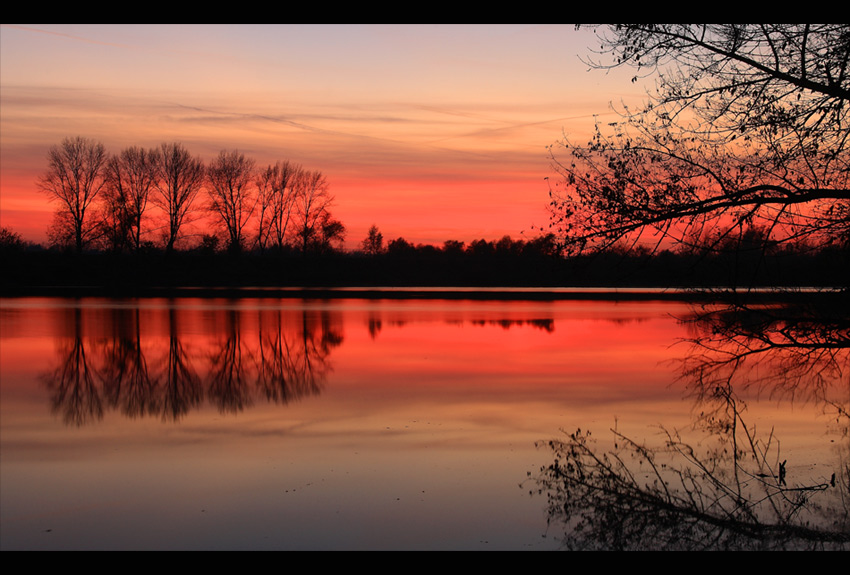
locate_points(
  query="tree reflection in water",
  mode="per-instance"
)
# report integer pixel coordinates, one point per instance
(229, 380)
(127, 382)
(295, 364)
(796, 353)
(115, 370)
(182, 386)
(75, 393)
(730, 490)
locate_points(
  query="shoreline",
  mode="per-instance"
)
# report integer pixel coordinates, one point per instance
(633, 293)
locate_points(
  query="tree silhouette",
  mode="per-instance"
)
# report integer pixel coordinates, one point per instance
(400, 246)
(180, 180)
(373, 244)
(331, 236)
(232, 201)
(749, 125)
(276, 202)
(115, 223)
(10, 240)
(74, 178)
(312, 202)
(131, 177)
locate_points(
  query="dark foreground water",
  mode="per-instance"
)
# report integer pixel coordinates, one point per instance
(416, 424)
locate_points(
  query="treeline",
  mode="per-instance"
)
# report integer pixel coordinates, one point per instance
(747, 260)
(481, 263)
(146, 198)
(122, 221)
(397, 262)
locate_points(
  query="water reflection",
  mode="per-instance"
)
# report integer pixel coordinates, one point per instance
(723, 484)
(76, 393)
(796, 353)
(117, 367)
(265, 353)
(353, 424)
(182, 385)
(547, 325)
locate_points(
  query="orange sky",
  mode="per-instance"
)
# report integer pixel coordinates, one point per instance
(432, 132)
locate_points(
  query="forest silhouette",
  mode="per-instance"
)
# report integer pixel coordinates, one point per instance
(752, 262)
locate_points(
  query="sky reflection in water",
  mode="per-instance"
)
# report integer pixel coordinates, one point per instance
(309, 424)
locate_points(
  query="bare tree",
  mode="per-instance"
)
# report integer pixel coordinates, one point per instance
(114, 223)
(74, 178)
(275, 202)
(265, 199)
(749, 125)
(180, 179)
(131, 177)
(231, 196)
(313, 200)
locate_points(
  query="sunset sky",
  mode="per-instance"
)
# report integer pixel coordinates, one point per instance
(431, 132)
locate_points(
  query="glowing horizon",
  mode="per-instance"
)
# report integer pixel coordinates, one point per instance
(432, 133)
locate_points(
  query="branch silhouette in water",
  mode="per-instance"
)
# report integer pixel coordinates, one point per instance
(732, 488)
(670, 498)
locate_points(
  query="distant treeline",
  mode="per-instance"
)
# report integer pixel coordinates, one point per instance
(503, 263)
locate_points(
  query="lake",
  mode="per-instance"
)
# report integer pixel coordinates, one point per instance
(398, 423)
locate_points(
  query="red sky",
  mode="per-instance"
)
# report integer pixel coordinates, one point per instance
(431, 132)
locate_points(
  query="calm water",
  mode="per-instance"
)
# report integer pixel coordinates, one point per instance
(353, 424)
